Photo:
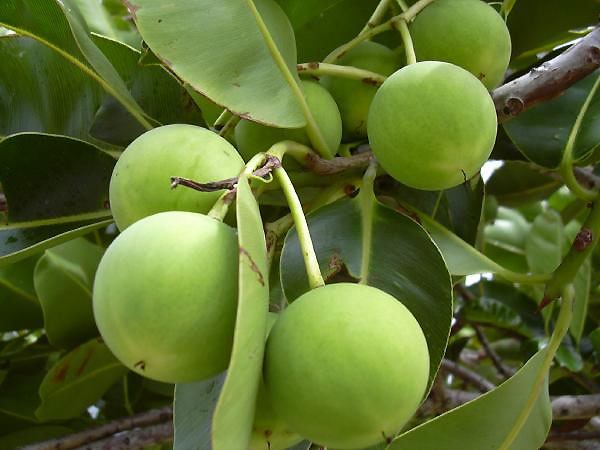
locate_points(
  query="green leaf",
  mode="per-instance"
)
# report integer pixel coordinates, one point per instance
(235, 408)
(516, 183)
(458, 209)
(157, 91)
(595, 340)
(194, 407)
(545, 242)
(59, 25)
(582, 284)
(318, 27)
(19, 306)
(542, 132)
(538, 25)
(32, 435)
(40, 91)
(78, 380)
(99, 20)
(53, 185)
(385, 248)
(472, 426)
(568, 356)
(236, 70)
(19, 397)
(63, 279)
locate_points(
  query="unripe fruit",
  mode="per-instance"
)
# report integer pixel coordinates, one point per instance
(165, 296)
(468, 33)
(346, 365)
(354, 97)
(252, 137)
(269, 431)
(432, 125)
(140, 183)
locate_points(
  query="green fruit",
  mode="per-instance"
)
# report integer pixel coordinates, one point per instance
(346, 365)
(468, 33)
(141, 181)
(354, 97)
(252, 137)
(432, 125)
(165, 296)
(269, 431)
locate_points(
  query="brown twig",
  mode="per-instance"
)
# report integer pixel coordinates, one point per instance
(550, 79)
(321, 166)
(135, 439)
(467, 375)
(502, 368)
(573, 436)
(152, 417)
(271, 164)
(576, 406)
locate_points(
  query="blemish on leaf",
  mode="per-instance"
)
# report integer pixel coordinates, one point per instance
(131, 8)
(583, 239)
(141, 364)
(61, 374)
(253, 266)
(85, 361)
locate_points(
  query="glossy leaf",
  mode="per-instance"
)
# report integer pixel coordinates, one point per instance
(541, 133)
(157, 91)
(315, 20)
(368, 239)
(472, 427)
(458, 209)
(40, 91)
(582, 284)
(236, 70)
(19, 306)
(235, 408)
(101, 21)
(538, 25)
(53, 185)
(78, 380)
(544, 244)
(193, 409)
(59, 25)
(516, 183)
(63, 279)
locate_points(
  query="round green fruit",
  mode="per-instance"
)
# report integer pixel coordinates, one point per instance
(432, 125)
(141, 181)
(346, 365)
(269, 431)
(354, 97)
(468, 33)
(165, 296)
(252, 137)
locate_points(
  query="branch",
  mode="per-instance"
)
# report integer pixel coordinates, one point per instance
(321, 166)
(229, 183)
(502, 368)
(152, 417)
(550, 79)
(576, 406)
(467, 375)
(136, 439)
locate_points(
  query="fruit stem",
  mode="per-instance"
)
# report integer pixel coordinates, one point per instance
(377, 15)
(350, 72)
(578, 253)
(229, 126)
(407, 16)
(222, 119)
(560, 329)
(315, 279)
(408, 44)
(403, 5)
(312, 129)
(367, 202)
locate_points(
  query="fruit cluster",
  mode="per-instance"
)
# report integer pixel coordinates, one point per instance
(346, 365)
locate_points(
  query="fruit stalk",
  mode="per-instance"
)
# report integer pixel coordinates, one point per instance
(353, 73)
(408, 44)
(315, 279)
(377, 16)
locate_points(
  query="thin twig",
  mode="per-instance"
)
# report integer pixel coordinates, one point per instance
(550, 79)
(504, 370)
(467, 375)
(229, 183)
(576, 406)
(573, 436)
(154, 416)
(135, 439)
